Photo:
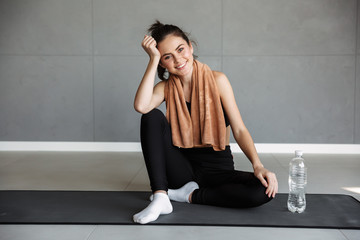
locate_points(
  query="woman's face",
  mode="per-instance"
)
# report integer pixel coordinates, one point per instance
(176, 55)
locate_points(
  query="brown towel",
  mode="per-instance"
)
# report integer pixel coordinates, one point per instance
(205, 127)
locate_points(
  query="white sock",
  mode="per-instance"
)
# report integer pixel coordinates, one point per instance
(182, 194)
(160, 205)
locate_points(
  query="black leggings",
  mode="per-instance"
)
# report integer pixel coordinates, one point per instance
(172, 167)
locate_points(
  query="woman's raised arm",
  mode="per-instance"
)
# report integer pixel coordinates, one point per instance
(147, 96)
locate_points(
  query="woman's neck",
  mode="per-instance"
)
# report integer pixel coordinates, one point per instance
(186, 80)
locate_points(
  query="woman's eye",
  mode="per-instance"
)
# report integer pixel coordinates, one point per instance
(181, 49)
(167, 57)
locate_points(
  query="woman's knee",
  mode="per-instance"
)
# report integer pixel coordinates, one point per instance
(154, 116)
(259, 196)
(155, 113)
(255, 195)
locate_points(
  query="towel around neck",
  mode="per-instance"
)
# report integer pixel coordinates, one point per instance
(205, 126)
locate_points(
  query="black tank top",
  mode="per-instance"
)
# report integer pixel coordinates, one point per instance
(227, 123)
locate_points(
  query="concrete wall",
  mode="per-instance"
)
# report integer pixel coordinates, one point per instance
(69, 69)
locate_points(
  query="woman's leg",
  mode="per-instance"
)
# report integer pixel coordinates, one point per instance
(220, 184)
(166, 165)
(231, 189)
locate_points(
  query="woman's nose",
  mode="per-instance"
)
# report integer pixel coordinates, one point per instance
(176, 58)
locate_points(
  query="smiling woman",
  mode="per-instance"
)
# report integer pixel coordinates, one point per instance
(187, 153)
(159, 32)
(178, 55)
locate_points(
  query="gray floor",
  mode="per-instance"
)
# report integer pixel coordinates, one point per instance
(126, 171)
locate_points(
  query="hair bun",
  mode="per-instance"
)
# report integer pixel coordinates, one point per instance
(155, 27)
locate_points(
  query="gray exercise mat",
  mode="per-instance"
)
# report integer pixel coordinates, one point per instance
(110, 207)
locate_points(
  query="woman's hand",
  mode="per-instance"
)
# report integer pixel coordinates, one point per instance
(149, 45)
(268, 179)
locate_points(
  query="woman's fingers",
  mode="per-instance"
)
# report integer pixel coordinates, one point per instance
(273, 185)
(145, 42)
(276, 187)
(263, 181)
(260, 174)
(148, 41)
(149, 45)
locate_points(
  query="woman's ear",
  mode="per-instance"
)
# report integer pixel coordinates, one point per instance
(161, 65)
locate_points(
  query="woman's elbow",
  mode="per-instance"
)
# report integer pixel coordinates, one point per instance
(140, 108)
(239, 132)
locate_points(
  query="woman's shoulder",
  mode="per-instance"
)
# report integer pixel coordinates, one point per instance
(218, 74)
(160, 85)
(160, 88)
(220, 77)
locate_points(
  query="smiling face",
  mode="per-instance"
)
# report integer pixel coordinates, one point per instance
(176, 55)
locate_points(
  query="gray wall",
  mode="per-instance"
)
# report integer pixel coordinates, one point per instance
(69, 69)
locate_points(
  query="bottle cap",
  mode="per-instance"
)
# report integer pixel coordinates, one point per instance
(298, 153)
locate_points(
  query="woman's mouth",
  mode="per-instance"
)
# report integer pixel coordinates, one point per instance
(181, 66)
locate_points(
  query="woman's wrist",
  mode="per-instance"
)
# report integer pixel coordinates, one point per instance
(257, 165)
(155, 59)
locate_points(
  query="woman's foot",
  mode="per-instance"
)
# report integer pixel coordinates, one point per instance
(160, 205)
(182, 194)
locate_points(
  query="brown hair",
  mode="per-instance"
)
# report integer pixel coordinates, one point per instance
(159, 31)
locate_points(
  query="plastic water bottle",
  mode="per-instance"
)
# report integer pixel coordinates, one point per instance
(297, 183)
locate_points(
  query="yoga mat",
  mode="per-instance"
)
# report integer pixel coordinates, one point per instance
(110, 207)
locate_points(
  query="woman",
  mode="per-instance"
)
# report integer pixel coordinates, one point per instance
(187, 153)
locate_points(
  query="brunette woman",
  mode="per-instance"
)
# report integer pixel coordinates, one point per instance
(187, 152)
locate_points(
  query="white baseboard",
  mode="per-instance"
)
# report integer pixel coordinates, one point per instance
(136, 147)
(71, 146)
(307, 148)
